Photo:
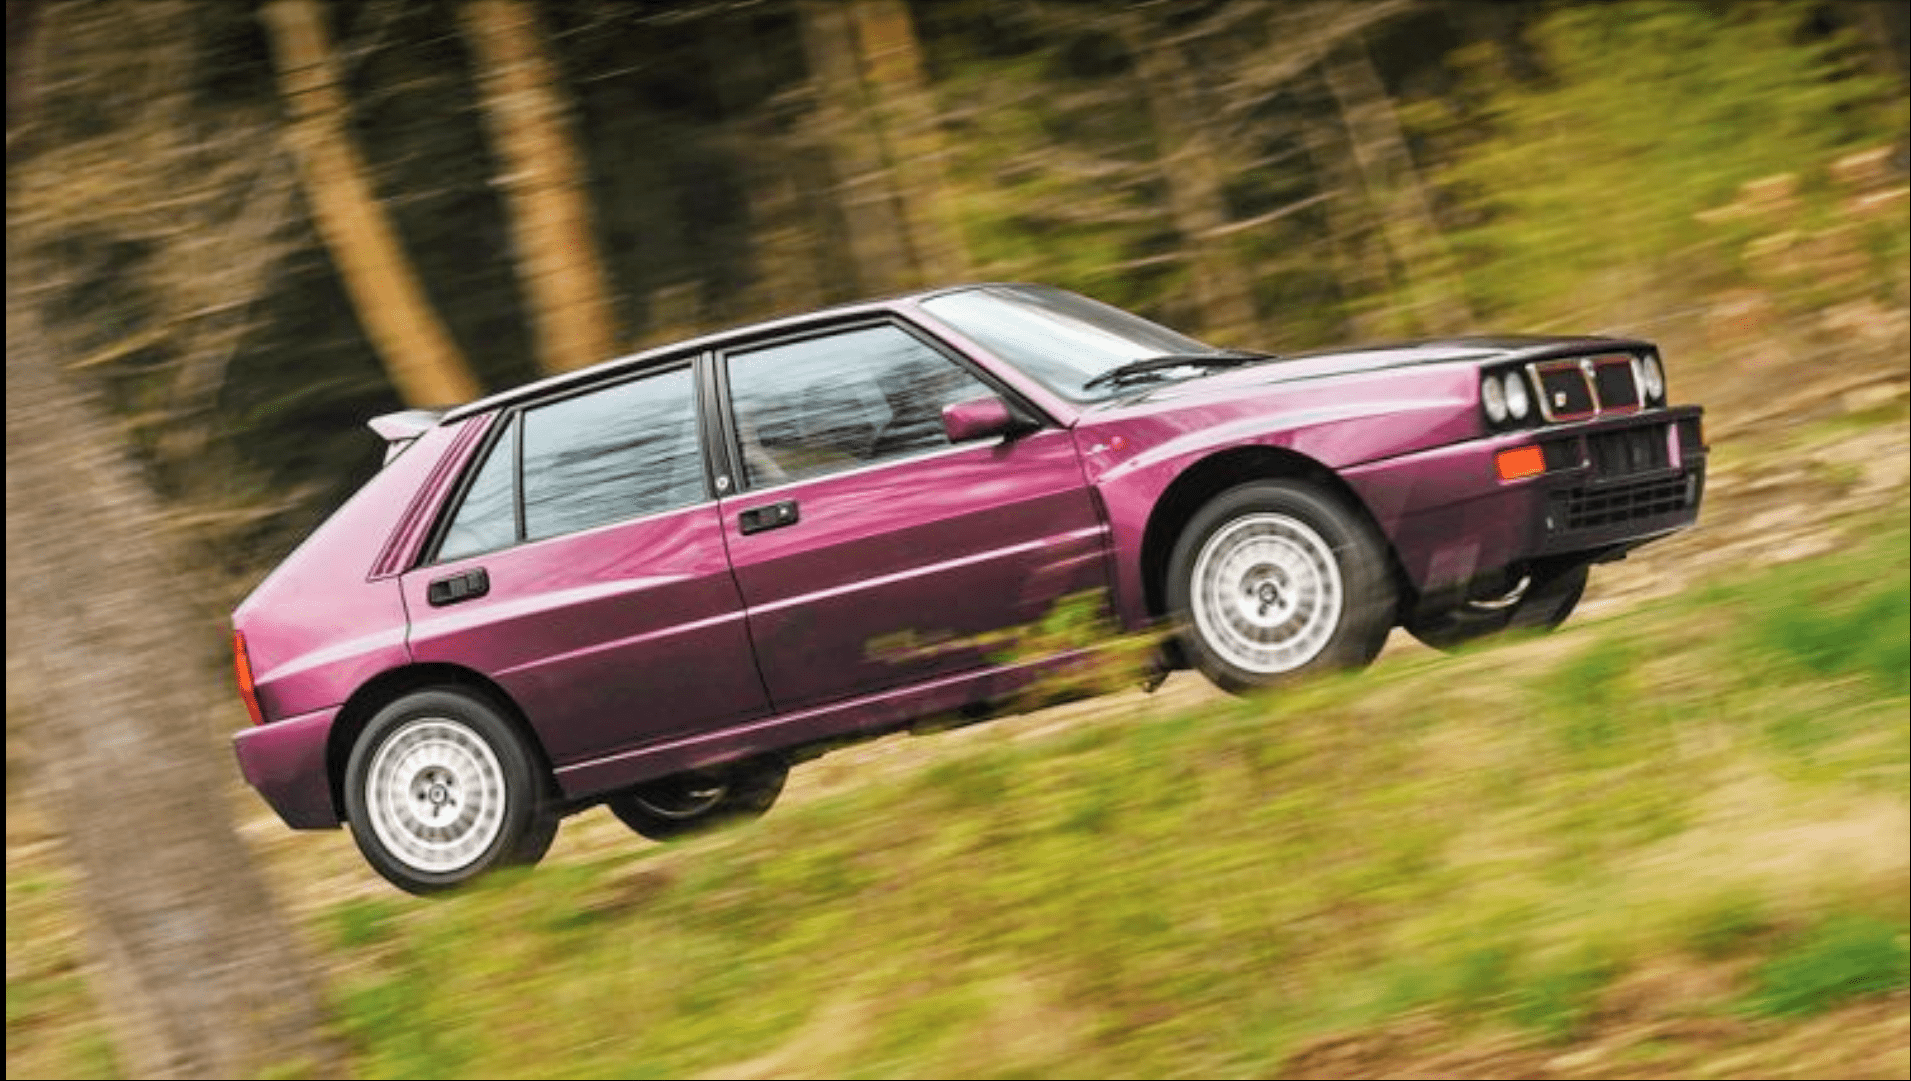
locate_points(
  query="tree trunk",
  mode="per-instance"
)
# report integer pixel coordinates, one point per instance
(1192, 174)
(544, 186)
(912, 133)
(786, 260)
(1436, 297)
(418, 352)
(865, 192)
(1360, 258)
(198, 974)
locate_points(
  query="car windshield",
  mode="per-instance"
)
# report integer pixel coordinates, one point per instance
(1064, 340)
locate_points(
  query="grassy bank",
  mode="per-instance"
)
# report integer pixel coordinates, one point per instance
(1693, 812)
(1670, 841)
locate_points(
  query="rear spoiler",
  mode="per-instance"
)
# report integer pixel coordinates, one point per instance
(400, 429)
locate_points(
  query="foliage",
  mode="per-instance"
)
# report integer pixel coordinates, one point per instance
(1580, 199)
(1841, 958)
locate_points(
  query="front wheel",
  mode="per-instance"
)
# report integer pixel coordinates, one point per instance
(691, 802)
(440, 788)
(1537, 606)
(1273, 580)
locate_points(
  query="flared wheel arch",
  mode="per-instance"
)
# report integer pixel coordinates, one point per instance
(389, 686)
(1201, 482)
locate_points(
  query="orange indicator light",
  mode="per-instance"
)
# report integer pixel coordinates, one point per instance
(1520, 462)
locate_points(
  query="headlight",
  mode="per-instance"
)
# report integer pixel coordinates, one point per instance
(1517, 403)
(1493, 399)
(1652, 379)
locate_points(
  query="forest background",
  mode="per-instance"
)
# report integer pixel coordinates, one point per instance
(238, 230)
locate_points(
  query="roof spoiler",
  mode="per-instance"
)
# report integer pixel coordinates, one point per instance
(399, 429)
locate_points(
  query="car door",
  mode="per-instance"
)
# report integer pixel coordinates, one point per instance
(871, 553)
(584, 571)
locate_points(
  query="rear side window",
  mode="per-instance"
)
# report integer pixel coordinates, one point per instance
(487, 520)
(621, 452)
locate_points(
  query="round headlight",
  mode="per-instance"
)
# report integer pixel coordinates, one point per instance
(1517, 403)
(1652, 378)
(1493, 398)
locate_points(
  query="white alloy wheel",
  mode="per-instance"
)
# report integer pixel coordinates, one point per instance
(1267, 593)
(441, 788)
(435, 795)
(1275, 580)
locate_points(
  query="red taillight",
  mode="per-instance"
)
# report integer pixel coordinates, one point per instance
(1520, 462)
(243, 666)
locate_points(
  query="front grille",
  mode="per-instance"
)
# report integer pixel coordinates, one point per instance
(1613, 379)
(1576, 388)
(1564, 391)
(1633, 450)
(1590, 508)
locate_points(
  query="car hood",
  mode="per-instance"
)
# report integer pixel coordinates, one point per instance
(1325, 363)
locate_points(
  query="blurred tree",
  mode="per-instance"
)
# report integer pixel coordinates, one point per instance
(782, 174)
(197, 971)
(1435, 301)
(904, 108)
(423, 361)
(1193, 169)
(877, 235)
(1582, 192)
(542, 178)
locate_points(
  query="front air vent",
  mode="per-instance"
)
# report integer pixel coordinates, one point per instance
(1591, 508)
(1629, 451)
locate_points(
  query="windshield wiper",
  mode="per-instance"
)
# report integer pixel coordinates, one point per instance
(1224, 358)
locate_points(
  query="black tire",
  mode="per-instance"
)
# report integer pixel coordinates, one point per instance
(1275, 580)
(1543, 608)
(440, 788)
(686, 803)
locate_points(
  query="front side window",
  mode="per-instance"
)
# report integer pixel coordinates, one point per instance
(821, 405)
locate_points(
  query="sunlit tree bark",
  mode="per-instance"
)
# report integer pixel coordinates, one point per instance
(197, 971)
(912, 135)
(1396, 193)
(1191, 171)
(418, 352)
(543, 180)
(865, 192)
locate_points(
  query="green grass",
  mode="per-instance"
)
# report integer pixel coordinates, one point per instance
(1498, 840)
(1498, 837)
(1843, 957)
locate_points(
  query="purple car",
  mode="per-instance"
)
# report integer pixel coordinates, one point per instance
(658, 583)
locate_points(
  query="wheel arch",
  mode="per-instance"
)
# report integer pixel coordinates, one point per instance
(1217, 473)
(388, 686)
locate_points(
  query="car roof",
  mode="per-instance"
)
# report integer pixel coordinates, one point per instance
(585, 376)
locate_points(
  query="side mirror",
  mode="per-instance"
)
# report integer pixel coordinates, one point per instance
(982, 418)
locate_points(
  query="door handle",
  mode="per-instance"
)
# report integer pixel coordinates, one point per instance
(458, 587)
(773, 516)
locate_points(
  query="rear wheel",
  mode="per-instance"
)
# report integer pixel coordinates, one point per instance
(440, 788)
(1274, 580)
(697, 800)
